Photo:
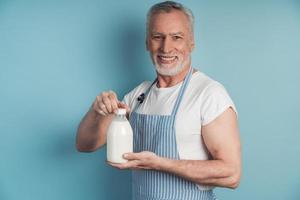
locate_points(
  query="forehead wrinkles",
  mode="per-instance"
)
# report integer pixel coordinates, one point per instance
(163, 34)
(165, 23)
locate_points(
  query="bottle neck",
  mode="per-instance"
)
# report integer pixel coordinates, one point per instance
(122, 117)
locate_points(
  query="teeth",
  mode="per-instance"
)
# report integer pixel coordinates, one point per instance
(167, 58)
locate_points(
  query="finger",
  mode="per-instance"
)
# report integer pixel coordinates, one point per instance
(98, 102)
(131, 156)
(114, 101)
(101, 104)
(102, 108)
(123, 105)
(100, 112)
(132, 164)
(143, 167)
(127, 165)
(117, 165)
(96, 107)
(107, 102)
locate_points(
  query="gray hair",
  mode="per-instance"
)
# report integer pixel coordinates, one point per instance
(167, 7)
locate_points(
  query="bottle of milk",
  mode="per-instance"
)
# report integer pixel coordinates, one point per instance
(119, 138)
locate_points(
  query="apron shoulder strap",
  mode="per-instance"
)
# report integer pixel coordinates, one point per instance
(182, 91)
(142, 96)
(186, 80)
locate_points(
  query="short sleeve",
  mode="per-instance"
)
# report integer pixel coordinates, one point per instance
(215, 100)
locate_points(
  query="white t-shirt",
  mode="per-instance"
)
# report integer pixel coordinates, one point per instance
(203, 101)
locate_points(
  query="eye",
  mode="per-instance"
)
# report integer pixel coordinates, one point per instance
(177, 37)
(156, 37)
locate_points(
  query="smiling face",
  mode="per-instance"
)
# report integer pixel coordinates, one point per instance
(170, 42)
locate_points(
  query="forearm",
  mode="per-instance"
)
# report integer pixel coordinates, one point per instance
(91, 133)
(206, 172)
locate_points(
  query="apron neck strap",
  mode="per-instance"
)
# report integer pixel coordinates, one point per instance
(181, 91)
(180, 95)
(143, 96)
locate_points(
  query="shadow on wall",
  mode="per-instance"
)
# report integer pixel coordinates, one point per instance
(131, 66)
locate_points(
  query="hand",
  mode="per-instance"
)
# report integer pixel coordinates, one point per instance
(142, 160)
(107, 103)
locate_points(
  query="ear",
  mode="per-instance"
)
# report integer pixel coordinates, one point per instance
(192, 44)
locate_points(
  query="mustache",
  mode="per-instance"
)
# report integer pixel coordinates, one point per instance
(166, 55)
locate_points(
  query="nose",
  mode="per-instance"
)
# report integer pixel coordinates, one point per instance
(166, 45)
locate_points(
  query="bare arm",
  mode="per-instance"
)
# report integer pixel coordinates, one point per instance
(222, 140)
(91, 133)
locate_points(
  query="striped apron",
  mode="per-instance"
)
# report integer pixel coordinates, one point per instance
(156, 133)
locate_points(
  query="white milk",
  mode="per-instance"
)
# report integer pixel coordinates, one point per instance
(119, 138)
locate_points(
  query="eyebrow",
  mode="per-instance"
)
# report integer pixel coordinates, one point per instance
(172, 34)
(177, 33)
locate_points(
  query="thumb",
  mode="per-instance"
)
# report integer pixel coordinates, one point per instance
(123, 105)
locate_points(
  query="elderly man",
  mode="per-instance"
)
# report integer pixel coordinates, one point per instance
(186, 137)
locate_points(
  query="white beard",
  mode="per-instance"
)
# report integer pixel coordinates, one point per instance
(165, 71)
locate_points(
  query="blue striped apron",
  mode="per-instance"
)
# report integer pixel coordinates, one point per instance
(156, 133)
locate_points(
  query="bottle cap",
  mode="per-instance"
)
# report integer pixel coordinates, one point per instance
(121, 111)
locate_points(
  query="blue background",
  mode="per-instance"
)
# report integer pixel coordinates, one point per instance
(56, 56)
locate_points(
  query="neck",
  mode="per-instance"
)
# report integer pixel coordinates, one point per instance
(169, 81)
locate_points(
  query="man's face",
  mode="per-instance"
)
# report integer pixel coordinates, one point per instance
(170, 42)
